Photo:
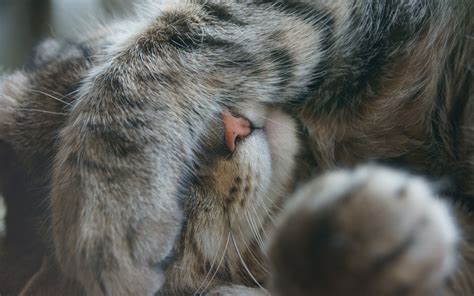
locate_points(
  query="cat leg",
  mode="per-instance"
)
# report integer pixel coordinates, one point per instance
(371, 231)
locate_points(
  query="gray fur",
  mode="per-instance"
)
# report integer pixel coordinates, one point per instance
(124, 128)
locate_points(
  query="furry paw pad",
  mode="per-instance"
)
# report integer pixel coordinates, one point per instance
(371, 231)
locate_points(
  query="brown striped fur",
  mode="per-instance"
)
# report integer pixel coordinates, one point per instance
(128, 188)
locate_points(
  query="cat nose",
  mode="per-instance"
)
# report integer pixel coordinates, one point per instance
(235, 128)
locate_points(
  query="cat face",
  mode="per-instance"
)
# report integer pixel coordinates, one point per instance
(231, 195)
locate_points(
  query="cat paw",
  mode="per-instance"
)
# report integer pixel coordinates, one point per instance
(370, 231)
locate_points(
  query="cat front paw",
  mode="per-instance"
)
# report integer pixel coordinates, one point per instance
(370, 231)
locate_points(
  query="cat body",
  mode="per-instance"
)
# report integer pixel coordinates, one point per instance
(117, 144)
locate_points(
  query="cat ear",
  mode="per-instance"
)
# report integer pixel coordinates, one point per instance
(12, 88)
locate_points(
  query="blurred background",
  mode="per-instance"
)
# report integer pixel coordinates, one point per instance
(23, 23)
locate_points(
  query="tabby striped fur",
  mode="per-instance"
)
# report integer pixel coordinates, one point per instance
(141, 195)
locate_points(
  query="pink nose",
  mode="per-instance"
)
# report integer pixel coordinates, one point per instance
(234, 128)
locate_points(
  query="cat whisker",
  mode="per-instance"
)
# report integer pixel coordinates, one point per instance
(50, 96)
(258, 236)
(234, 242)
(210, 268)
(37, 110)
(272, 202)
(60, 94)
(281, 125)
(273, 205)
(256, 260)
(217, 268)
(263, 223)
(251, 219)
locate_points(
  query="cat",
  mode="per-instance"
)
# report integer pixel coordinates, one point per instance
(218, 148)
